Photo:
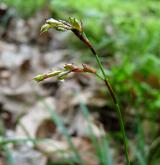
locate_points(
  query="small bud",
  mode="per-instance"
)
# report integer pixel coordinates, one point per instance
(70, 67)
(45, 28)
(41, 77)
(73, 68)
(76, 24)
(89, 69)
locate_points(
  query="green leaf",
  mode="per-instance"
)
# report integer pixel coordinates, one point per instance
(76, 24)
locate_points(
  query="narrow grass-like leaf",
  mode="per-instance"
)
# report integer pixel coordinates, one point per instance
(63, 130)
(138, 154)
(102, 148)
(9, 156)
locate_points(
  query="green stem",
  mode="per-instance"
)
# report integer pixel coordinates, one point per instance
(123, 133)
(119, 114)
(84, 39)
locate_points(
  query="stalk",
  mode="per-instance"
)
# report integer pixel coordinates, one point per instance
(114, 99)
(76, 27)
(85, 40)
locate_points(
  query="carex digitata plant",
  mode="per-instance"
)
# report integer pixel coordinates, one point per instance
(76, 27)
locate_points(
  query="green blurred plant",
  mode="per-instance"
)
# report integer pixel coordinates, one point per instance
(102, 147)
(131, 38)
(25, 8)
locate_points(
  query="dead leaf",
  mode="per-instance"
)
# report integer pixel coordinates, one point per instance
(34, 118)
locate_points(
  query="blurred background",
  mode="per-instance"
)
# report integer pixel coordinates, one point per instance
(74, 122)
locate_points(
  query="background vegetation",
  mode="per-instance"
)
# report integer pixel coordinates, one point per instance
(126, 35)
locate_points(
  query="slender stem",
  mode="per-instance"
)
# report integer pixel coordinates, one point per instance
(115, 103)
(123, 133)
(99, 76)
(84, 39)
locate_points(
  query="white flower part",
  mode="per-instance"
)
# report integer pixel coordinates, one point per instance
(58, 24)
(53, 22)
(45, 28)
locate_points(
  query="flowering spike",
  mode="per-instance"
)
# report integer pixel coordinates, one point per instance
(56, 24)
(73, 24)
(42, 77)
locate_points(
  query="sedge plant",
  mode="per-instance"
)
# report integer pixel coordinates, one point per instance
(76, 27)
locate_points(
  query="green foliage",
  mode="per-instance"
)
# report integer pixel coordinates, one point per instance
(56, 119)
(102, 148)
(129, 32)
(154, 153)
(25, 8)
(8, 154)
